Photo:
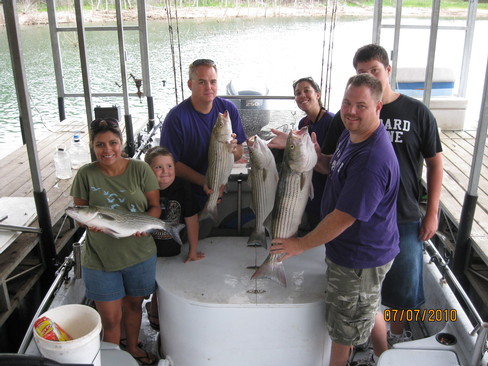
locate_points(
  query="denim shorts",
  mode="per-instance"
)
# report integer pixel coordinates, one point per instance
(403, 287)
(136, 280)
(352, 302)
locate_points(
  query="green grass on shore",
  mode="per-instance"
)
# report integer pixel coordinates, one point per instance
(105, 5)
(445, 4)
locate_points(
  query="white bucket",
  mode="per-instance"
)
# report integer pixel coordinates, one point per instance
(81, 322)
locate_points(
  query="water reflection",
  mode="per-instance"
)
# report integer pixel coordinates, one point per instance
(278, 50)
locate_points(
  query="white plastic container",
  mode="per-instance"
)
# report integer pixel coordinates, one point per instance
(78, 152)
(81, 322)
(62, 163)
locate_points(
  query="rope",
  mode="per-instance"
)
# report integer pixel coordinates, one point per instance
(325, 85)
(323, 48)
(179, 51)
(172, 45)
(328, 81)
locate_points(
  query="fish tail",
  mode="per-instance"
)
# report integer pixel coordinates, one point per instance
(174, 231)
(209, 212)
(258, 238)
(272, 270)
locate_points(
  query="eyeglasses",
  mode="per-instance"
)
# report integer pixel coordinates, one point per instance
(104, 123)
(307, 79)
(203, 61)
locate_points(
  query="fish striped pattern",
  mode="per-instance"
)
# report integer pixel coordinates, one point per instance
(263, 178)
(120, 224)
(294, 188)
(220, 163)
(290, 202)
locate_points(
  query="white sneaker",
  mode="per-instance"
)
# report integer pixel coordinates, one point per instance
(404, 337)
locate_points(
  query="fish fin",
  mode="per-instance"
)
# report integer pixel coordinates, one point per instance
(303, 180)
(211, 213)
(111, 232)
(251, 206)
(229, 146)
(311, 194)
(258, 238)
(272, 270)
(174, 231)
(105, 216)
(265, 174)
(249, 177)
(268, 223)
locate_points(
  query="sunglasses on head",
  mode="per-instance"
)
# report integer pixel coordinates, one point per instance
(309, 79)
(102, 122)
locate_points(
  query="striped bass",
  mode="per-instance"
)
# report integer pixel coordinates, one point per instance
(220, 163)
(294, 188)
(120, 224)
(263, 179)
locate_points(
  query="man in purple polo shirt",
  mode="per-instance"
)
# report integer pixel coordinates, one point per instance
(187, 127)
(359, 225)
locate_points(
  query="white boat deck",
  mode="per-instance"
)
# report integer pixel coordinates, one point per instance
(254, 322)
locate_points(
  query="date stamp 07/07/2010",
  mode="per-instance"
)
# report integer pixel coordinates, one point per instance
(423, 315)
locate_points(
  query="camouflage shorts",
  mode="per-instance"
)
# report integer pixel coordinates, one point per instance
(352, 301)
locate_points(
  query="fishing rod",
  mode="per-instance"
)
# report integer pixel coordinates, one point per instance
(146, 140)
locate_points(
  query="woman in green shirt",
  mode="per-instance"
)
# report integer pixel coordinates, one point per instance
(118, 273)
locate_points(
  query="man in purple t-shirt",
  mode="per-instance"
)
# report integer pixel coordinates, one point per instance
(359, 226)
(187, 127)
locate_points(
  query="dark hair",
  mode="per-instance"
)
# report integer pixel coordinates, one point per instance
(200, 62)
(369, 81)
(371, 52)
(312, 83)
(103, 125)
(156, 151)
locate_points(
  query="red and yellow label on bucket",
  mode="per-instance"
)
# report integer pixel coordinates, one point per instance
(51, 331)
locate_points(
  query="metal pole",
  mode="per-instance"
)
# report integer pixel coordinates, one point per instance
(84, 61)
(429, 72)
(144, 50)
(396, 44)
(468, 46)
(461, 253)
(58, 64)
(47, 247)
(129, 131)
(377, 19)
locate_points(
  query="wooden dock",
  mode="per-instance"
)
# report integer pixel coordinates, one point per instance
(20, 263)
(458, 149)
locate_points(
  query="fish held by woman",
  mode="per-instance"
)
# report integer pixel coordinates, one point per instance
(294, 188)
(120, 224)
(263, 179)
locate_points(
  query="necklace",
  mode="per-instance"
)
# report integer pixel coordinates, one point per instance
(318, 115)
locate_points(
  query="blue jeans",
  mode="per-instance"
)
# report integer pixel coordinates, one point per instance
(403, 285)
